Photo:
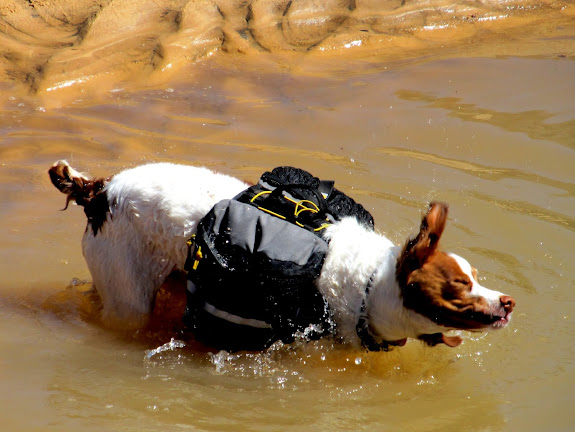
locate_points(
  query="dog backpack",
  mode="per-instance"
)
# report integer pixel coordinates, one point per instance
(253, 261)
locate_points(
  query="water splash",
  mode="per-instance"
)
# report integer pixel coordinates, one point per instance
(169, 346)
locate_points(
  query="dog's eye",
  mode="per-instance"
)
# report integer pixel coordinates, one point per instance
(464, 284)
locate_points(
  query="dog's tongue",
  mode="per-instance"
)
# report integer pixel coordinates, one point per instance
(451, 341)
(437, 338)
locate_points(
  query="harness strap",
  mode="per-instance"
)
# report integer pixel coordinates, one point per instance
(326, 188)
(363, 329)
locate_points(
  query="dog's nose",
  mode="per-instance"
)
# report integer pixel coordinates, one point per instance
(507, 302)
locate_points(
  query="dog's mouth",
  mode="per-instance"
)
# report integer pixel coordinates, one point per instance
(481, 320)
(474, 322)
(472, 319)
(500, 322)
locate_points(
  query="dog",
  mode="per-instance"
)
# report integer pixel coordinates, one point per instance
(138, 223)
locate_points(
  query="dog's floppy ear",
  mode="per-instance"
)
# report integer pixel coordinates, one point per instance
(432, 226)
(417, 250)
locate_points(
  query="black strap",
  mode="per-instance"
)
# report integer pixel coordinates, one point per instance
(362, 328)
(326, 188)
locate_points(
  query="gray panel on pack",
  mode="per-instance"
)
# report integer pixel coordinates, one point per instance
(257, 231)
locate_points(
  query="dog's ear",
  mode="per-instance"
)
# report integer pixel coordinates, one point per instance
(418, 250)
(432, 226)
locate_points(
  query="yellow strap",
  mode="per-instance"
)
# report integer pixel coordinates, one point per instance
(325, 225)
(261, 193)
(304, 208)
(272, 213)
(300, 206)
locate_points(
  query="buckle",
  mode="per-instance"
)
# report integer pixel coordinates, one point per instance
(194, 254)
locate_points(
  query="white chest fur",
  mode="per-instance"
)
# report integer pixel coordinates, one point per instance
(355, 255)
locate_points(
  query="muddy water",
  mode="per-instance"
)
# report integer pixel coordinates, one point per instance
(488, 127)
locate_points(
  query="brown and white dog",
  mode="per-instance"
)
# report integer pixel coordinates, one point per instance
(140, 219)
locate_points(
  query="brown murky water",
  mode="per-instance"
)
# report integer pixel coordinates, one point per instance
(484, 121)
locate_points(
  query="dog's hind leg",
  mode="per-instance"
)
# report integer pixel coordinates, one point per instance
(126, 277)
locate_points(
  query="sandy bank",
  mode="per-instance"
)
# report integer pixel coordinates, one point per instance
(54, 45)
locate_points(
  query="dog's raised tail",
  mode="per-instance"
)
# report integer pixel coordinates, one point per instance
(85, 192)
(70, 182)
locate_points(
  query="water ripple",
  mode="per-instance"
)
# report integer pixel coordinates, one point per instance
(533, 123)
(482, 171)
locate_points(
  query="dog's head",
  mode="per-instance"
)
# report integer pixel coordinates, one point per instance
(443, 287)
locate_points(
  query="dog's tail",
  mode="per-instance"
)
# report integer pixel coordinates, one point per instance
(77, 186)
(87, 193)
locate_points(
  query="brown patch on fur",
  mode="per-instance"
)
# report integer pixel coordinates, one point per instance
(440, 291)
(433, 284)
(417, 250)
(87, 193)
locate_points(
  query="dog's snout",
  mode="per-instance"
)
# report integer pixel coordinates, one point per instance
(507, 302)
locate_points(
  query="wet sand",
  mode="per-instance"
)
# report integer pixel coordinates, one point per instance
(51, 45)
(400, 105)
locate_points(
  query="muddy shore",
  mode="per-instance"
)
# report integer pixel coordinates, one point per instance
(67, 47)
